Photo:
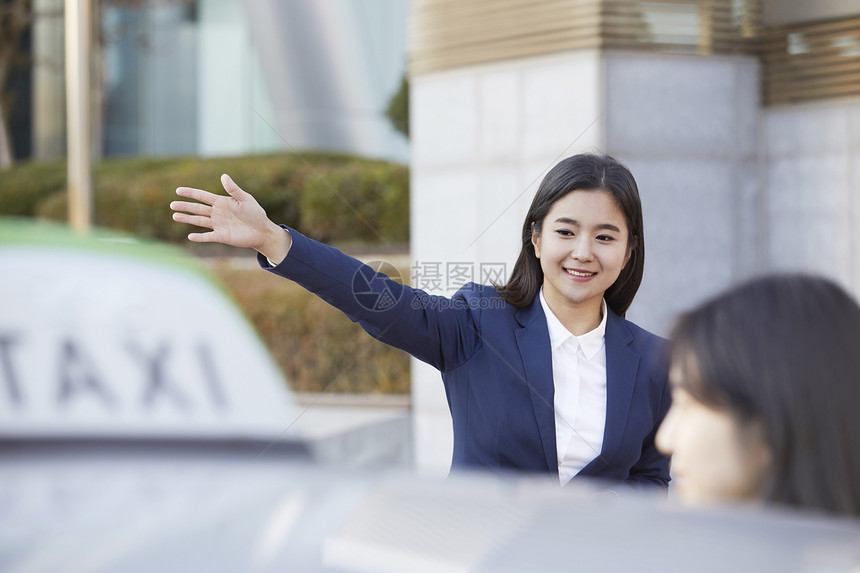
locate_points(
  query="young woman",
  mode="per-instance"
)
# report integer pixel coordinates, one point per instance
(766, 385)
(542, 374)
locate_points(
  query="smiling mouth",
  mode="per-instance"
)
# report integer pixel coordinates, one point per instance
(581, 274)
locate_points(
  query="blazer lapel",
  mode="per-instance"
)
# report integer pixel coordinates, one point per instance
(533, 343)
(622, 365)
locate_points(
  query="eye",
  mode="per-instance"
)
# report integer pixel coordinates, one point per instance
(564, 232)
(605, 238)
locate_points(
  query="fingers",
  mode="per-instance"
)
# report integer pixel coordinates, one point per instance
(193, 208)
(205, 196)
(202, 237)
(230, 187)
(196, 220)
(198, 194)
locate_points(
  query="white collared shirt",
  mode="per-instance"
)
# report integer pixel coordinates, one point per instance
(579, 377)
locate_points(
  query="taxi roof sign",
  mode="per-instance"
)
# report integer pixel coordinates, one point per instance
(105, 335)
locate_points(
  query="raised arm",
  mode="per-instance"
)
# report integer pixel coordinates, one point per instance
(409, 319)
(236, 219)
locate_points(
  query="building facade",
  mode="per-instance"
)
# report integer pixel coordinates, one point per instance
(224, 77)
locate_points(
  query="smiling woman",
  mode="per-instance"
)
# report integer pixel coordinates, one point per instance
(581, 258)
(542, 374)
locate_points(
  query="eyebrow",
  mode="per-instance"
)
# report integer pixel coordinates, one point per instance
(574, 222)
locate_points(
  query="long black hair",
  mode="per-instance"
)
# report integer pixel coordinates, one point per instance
(783, 351)
(586, 172)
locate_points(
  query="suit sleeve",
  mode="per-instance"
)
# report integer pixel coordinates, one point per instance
(652, 469)
(434, 329)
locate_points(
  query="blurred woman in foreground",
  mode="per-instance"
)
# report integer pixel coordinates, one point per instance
(765, 397)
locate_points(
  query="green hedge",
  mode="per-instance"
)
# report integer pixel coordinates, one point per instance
(27, 185)
(335, 198)
(317, 347)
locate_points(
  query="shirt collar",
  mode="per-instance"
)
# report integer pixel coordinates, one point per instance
(590, 342)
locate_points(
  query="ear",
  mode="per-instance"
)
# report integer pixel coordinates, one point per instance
(536, 241)
(631, 246)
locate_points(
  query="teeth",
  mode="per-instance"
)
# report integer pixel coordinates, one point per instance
(579, 274)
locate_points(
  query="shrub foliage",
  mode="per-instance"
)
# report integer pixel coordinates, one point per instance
(335, 198)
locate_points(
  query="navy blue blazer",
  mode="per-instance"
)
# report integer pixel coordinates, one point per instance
(496, 366)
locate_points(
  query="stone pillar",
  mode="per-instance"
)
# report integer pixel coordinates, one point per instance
(811, 189)
(687, 127)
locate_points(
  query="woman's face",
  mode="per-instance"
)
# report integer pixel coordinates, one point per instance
(714, 458)
(582, 249)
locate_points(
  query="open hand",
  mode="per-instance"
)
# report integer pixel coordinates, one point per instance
(236, 219)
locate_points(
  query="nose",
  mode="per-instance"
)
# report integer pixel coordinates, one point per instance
(664, 440)
(582, 250)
